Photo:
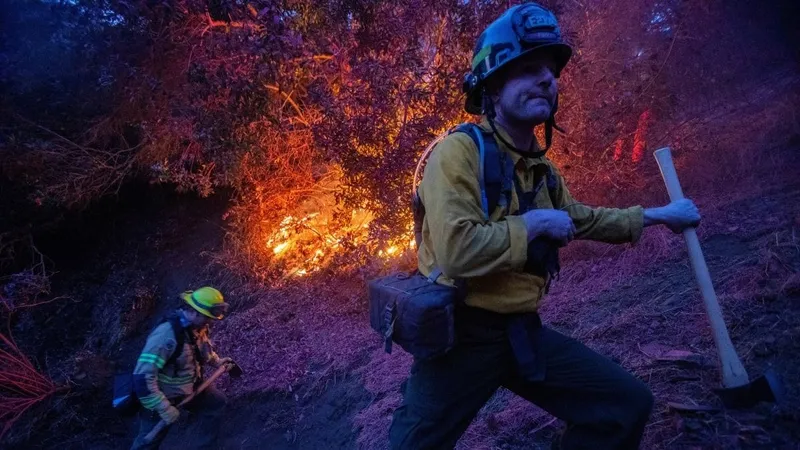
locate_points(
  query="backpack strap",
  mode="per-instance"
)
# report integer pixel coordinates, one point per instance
(546, 177)
(543, 255)
(490, 174)
(180, 338)
(552, 185)
(474, 132)
(495, 169)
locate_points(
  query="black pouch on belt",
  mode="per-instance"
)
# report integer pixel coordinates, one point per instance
(543, 258)
(524, 331)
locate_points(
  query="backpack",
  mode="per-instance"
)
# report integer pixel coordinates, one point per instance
(124, 399)
(415, 311)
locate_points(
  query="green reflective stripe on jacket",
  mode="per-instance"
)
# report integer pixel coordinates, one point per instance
(175, 380)
(152, 359)
(151, 401)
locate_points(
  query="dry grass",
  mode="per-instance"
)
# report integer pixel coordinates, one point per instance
(382, 377)
(21, 385)
(28, 288)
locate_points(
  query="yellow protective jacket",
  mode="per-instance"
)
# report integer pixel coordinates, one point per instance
(155, 380)
(490, 256)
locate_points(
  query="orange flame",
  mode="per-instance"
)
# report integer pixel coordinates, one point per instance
(308, 243)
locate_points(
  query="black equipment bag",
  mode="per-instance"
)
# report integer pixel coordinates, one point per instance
(415, 312)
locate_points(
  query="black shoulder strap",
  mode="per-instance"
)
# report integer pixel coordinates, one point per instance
(496, 174)
(499, 174)
(180, 338)
(474, 132)
(495, 170)
(552, 186)
(548, 178)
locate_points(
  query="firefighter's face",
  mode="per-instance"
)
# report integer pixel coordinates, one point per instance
(198, 320)
(528, 90)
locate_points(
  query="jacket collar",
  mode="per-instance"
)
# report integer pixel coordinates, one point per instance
(515, 157)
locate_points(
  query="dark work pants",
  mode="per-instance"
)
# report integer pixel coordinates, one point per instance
(208, 405)
(604, 406)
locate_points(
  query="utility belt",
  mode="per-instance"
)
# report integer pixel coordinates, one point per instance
(422, 316)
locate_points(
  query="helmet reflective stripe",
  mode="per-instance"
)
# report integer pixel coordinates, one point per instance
(211, 310)
(481, 57)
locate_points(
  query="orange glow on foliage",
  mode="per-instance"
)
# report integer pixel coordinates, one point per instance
(640, 138)
(618, 147)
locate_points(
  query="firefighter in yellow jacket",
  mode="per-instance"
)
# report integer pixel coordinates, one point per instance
(169, 369)
(503, 249)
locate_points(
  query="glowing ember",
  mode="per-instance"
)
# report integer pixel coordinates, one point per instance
(280, 248)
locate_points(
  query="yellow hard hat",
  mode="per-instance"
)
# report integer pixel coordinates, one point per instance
(207, 301)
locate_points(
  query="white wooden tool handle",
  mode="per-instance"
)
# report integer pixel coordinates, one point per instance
(733, 372)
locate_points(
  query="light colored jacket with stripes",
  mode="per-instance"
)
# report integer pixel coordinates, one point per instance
(155, 381)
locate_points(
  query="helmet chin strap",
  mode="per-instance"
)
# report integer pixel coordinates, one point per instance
(549, 125)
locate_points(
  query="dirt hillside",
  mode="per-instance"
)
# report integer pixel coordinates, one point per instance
(316, 375)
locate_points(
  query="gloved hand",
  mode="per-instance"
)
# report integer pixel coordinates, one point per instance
(681, 214)
(169, 413)
(677, 216)
(549, 223)
(223, 361)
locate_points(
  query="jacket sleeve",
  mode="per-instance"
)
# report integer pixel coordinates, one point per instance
(464, 243)
(157, 350)
(610, 225)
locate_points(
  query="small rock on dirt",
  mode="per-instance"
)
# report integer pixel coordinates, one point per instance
(792, 285)
(682, 357)
(766, 347)
(654, 349)
(682, 407)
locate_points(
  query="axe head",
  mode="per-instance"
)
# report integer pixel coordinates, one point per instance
(766, 388)
(234, 370)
